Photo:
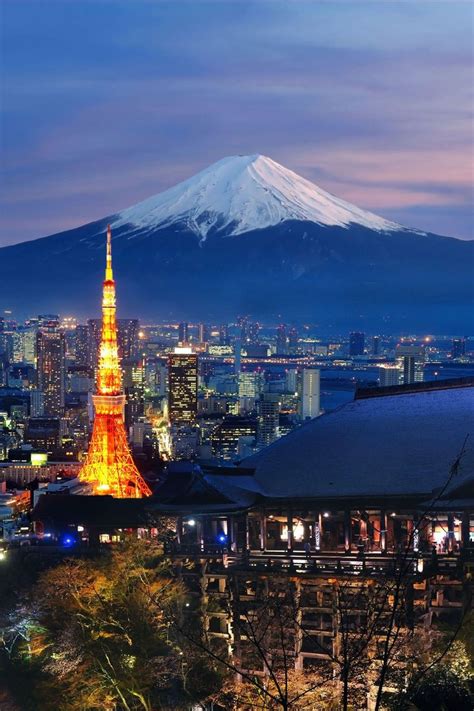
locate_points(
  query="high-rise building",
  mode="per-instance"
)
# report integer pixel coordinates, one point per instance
(253, 331)
(36, 403)
(51, 367)
(134, 388)
(204, 333)
(182, 385)
(237, 355)
(224, 335)
(458, 349)
(310, 393)
(389, 375)
(3, 338)
(293, 341)
(291, 378)
(413, 370)
(376, 346)
(281, 340)
(183, 333)
(243, 325)
(45, 433)
(408, 369)
(81, 342)
(109, 466)
(250, 384)
(268, 418)
(226, 437)
(24, 345)
(128, 339)
(48, 321)
(16, 347)
(356, 343)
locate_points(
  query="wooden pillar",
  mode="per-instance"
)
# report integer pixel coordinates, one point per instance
(230, 533)
(235, 535)
(363, 532)
(416, 537)
(383, 531)
(450, 532)
(247, 533)
(200, 533)
(289, 523)
(465, 529)
(347, 531)
(263, 530)
(179, 530)
(318, 530)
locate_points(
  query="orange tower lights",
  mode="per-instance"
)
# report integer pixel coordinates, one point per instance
(109, 466)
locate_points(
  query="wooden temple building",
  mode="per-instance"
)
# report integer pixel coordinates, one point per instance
(382, 482)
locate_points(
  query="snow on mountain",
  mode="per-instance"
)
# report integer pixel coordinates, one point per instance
(244, 193)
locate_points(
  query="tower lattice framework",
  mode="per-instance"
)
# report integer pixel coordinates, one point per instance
(109, 466)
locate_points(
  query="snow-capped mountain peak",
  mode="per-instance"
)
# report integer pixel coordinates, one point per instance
(244, 193)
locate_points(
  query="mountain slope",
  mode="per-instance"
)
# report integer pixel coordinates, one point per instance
(248, 236)
(243, 193)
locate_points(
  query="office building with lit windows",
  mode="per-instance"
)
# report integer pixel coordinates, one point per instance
(182, 386)
(310, 393)
(51, 367)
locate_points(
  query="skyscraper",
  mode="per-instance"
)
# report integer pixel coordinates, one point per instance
(356, 343)
(408, 369)
(250, 384)
(293, 341)
(82, 350)
(36, 403)
(204, 332)
(389, 375)
(413, 370)
(51, 367)
(109, 466)
(268, 418)
(281, 340)
(127, 338)
(310, 393)
(243, 324)
(224, 335)
(291, 378)
(183, 333)
(182, 385)
(253, 331)
(134, 388)
(376, 345)
(226, 436)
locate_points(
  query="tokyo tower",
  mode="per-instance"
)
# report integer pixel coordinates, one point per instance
(109, 466)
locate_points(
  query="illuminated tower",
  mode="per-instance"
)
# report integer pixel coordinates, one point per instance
(109, 466)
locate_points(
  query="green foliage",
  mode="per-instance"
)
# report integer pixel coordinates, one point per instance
(442, 690)
(444, 687)
(98, 636)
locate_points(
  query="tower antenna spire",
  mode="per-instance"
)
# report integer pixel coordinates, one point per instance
(108, 264)
(109, 467)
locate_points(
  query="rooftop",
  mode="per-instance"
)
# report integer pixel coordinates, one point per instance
(394, 444)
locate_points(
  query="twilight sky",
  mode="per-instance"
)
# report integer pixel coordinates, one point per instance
(106, 102)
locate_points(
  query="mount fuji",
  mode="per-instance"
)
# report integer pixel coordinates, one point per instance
(247, 235)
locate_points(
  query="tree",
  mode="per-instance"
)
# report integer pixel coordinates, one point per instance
(98, 636)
